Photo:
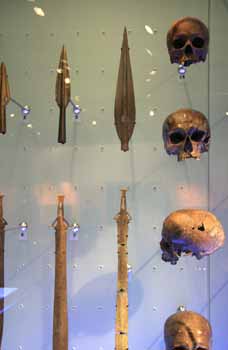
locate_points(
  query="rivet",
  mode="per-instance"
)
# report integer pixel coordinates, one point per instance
(52, 34)
(100, 267)
(102, 148)
(77, 33)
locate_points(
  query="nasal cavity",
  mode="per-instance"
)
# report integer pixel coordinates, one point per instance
(188, 50)
(188, 145)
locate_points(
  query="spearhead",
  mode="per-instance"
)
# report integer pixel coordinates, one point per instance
(62, 93)
(4, 97)
(125, 99)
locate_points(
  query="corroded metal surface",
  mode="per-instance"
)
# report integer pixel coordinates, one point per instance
(122, 219)
(60, 322)
(62, 93)
(4, 97)
(3, 223)
(125, 98)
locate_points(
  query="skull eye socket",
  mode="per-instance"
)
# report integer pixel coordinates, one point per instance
(177, 137)
(181, 348)
(198, 42)
(197, 135)
(179, 43)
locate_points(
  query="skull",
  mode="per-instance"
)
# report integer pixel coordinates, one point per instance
(187, 41)
(186, 133)
(191, 231)
(187, 330)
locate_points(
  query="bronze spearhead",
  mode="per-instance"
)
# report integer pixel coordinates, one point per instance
(4, 97)
(62, 93)
(125, 98)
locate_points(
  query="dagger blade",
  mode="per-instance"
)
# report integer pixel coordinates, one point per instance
(60, 315)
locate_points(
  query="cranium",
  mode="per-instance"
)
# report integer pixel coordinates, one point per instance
(186, 133)
(191, 231)
(187, 330)
(187, 41)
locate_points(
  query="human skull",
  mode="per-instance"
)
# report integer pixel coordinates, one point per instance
(186, 133)
(187, 330)
(187, 41)
(191, 231)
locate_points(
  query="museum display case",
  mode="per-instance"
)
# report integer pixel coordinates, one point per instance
(73, 90)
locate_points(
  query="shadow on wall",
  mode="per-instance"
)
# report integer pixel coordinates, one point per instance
(95, 312)
(225, 2)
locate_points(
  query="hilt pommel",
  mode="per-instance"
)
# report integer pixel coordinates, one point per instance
(60, 209)
(60, 213)
(123, 202)
(1, 204)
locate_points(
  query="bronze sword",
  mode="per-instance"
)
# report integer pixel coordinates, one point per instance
(122, 218)
(124, 111)
(3, 223)
(4, 97)
(60, 322)
(62, 93)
